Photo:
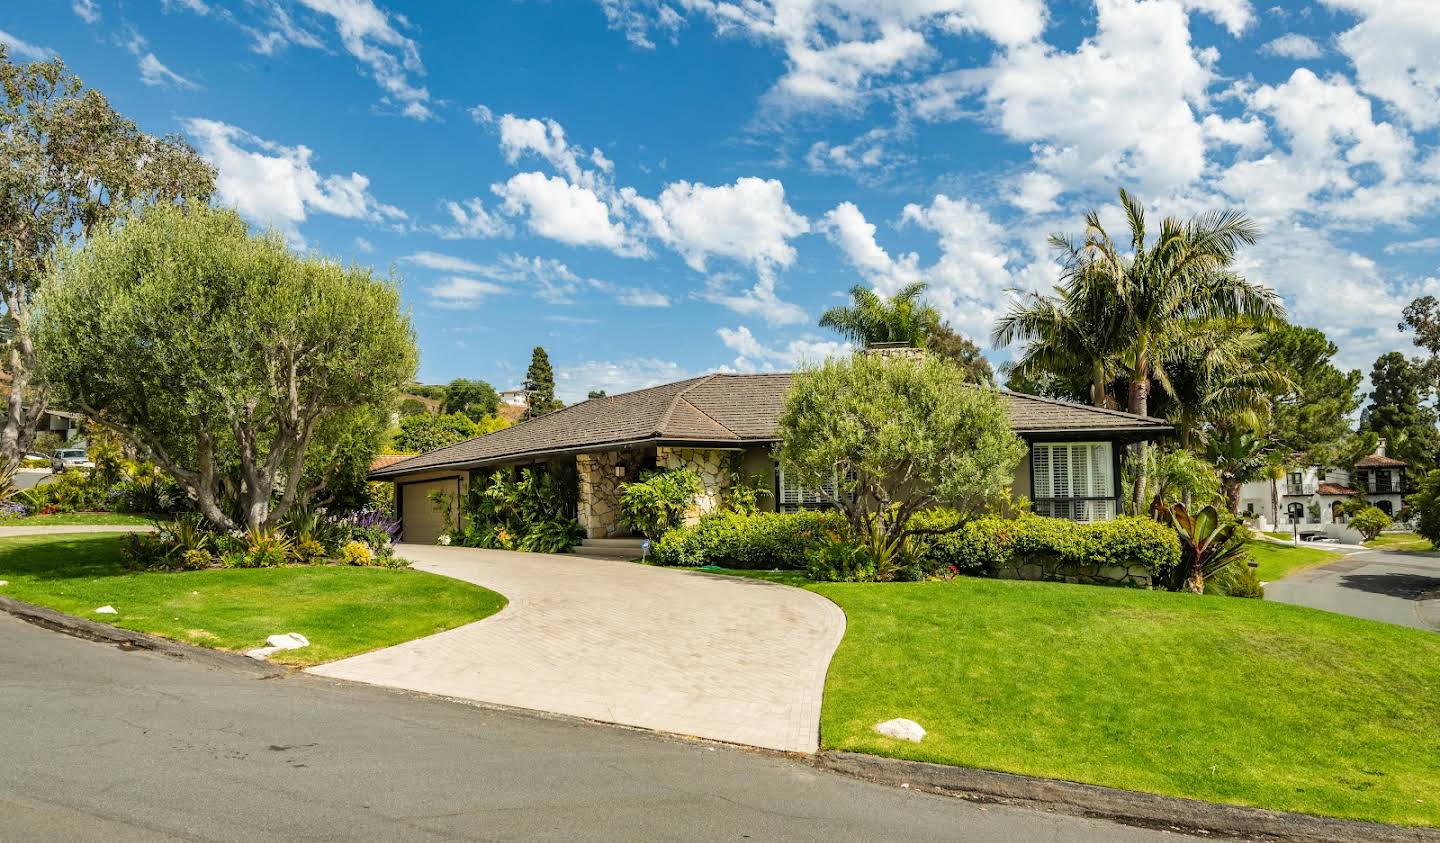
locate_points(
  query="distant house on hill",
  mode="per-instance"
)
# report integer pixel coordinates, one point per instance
(515, 398)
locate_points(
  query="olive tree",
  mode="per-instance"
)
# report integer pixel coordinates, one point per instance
(220, 354)
(70, 163)
(887, 438)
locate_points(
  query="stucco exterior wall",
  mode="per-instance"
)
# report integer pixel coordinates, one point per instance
(759, 463)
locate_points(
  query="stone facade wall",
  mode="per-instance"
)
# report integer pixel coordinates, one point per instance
(599, 509)
(1137, 576)
(713, 468)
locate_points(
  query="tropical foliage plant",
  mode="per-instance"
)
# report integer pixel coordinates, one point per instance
(1208, 544)
(659, 500)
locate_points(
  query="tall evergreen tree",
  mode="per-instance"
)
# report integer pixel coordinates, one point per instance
(540, 385)
(1398, 413)
(1314, 414)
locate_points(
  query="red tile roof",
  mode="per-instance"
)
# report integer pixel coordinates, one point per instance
(1378, 461)
(387, 460)
(1333, 489)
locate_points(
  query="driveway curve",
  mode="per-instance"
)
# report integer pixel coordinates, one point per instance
(715, 657)
(1387, 586)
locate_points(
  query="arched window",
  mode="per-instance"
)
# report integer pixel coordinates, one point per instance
(1336, 515)
(1384, 506)
(1296, 512)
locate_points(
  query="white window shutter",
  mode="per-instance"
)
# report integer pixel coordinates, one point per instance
(1040, 468)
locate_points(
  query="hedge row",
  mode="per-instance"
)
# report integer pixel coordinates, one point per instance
(980, 547)
(986, 545)
(763, 540)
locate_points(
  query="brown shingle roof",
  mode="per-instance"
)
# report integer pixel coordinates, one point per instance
(722, 410)
(1378, 461)
(1333, 489)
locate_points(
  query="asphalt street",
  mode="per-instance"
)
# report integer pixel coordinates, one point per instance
(1398, 588)
(105, 744)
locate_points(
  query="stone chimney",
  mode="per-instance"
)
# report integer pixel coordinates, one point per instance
(895, 349)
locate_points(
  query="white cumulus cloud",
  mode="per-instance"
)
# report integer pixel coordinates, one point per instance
(277, 185)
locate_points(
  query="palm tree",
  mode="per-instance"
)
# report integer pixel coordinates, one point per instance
(1274, 471)
(903, 317)
(1213, 375)
(1160, 287)
(1239, 456)
(1073, 328)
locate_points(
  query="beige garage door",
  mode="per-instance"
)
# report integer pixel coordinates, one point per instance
(422, 522)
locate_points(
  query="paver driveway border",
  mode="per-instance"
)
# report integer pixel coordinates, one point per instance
(723, 658)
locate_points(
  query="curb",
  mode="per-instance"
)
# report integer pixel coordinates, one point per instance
(128, 640)
(1128, 807)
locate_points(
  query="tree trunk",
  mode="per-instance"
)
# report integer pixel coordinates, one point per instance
(1232, 496)
(1196, 580)
(1098, 397)
(1274, 503)
(18, 431)
(1140, 405)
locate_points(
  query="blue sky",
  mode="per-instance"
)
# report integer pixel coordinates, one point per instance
(657, 188)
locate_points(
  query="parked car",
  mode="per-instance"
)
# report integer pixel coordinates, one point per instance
(66, 458)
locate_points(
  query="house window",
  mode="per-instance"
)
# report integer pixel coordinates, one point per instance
(1382, 481)
(1295, 512)
(1073, 480)
(1384, 506)
(1295, 483)
(794, 497)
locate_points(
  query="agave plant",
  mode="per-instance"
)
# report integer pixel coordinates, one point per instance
(1207, 544)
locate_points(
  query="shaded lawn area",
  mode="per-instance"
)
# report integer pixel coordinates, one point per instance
(78, 518)
(1222, 699)
(1280, 560)
(342, 610)
(1413, 542)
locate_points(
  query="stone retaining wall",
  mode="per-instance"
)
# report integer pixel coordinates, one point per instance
(1052, 570)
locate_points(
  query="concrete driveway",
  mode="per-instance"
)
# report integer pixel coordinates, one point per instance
(1398, 588)
(715, 657)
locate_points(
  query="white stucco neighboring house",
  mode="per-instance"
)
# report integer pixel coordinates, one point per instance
(1308, 500)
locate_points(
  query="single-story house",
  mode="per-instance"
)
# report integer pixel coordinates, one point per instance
(708, 423)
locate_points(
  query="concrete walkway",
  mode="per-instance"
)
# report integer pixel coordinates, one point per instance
(55, 529)
(1398, 588)
(715, 657)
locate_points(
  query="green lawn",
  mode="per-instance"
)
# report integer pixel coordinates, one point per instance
(342, 610)
(1222, 699)
(1279, 560)
(1401, 541)
(77, 518)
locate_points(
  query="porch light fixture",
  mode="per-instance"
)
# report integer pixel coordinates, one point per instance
(619, 471)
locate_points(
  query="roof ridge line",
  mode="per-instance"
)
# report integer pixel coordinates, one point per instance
(670, 408)
(716, 421)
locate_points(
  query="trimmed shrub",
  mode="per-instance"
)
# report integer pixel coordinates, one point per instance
(763, 540)
(356, 553)
(1370, 522)
(986, 545)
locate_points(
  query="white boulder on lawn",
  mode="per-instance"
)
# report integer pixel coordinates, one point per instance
(287, 641)
(106, 610)
(905, 730)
